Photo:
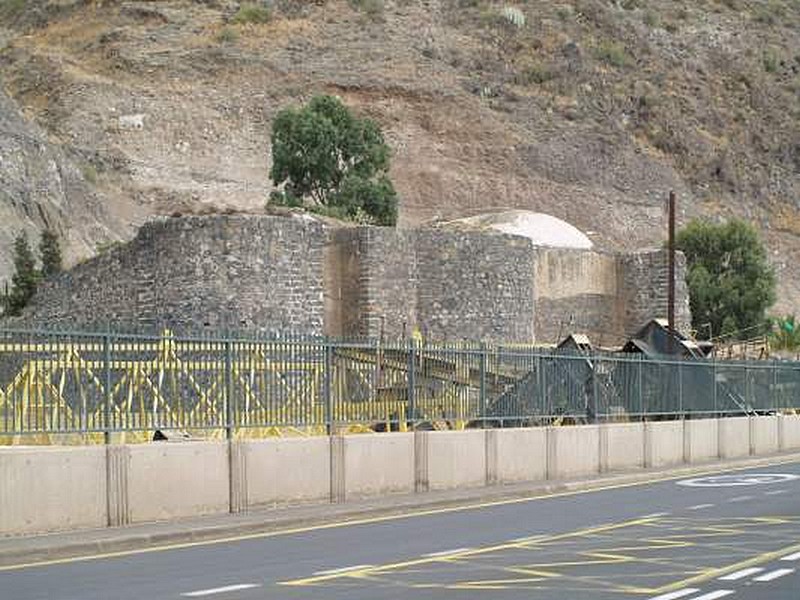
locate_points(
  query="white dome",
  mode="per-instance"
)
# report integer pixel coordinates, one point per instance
(540, 228)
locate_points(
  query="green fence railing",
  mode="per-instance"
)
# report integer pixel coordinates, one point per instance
(86, 383)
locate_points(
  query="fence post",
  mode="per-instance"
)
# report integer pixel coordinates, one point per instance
(326, 387)
(482, 392)
(228, 388)
(592, 416)
(543, 362)
(714, 383)
(680, 388)
(412, 362)
(107, 383)
(640, 374)
(774, 391)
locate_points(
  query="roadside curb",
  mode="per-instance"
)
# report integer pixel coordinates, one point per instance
(19, 552)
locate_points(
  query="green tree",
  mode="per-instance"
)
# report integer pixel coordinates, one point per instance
(25, 278)
(324, 154)
(50, 252)
(730, 281)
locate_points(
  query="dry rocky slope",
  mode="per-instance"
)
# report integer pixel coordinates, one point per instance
(591, 110)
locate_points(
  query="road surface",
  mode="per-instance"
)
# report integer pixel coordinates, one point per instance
(732, 535)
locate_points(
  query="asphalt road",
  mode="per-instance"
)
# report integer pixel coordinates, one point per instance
(735, 536)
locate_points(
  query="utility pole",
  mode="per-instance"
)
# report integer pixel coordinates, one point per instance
(671, 268)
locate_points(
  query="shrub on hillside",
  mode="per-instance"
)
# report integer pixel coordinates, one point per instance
(227, 35)
(612, 53)
(252, 13)
(372, 8)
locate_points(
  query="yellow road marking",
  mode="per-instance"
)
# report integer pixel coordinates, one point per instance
(466, 553)
(714, 573)
(496, 584)
(392, 517)
(652, 544)
(536, 573)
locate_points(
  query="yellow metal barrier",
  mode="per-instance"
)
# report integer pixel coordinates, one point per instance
(73, 390)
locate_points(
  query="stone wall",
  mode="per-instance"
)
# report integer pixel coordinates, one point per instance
(295, 274)
(196, 272)
(343, 281)
(607, 296)
(448, 285)
(475, 286)
(645, 277)
(388, 282)
(576, 291)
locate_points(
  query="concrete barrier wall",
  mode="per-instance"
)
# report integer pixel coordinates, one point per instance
(378, 464)
(701, 440)
(573, 451)
(764, 435)
(622, 446)
(168, 481)
(47, 489)
(450, 459)
(286, 470)
(515, 455)
(734, 437)
(790, 432)
(663, 443)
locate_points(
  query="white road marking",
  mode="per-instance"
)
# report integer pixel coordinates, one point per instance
(774, 575)
(654, 515)
(343, 570)
(775, 492)
(715, 595)
(678, 594)
(741, 574)
(741, 499)
(221, 590)
(700, 506)
(795, 556)
(446, 552)
(739, 480)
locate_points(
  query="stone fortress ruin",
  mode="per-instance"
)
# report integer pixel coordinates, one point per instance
(491, 278)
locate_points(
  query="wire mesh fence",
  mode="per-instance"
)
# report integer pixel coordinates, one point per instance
(73, 382)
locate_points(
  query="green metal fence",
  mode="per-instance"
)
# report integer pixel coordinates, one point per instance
(55, 383)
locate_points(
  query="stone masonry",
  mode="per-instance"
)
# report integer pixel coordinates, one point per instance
(645, 277)
(296, 274)
(196, 272)
(449, 285)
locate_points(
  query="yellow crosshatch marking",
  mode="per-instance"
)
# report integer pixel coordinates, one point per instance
(652, 555)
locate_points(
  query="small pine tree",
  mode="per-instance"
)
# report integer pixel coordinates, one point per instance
(25, 278)
(785, 333)
(50, 251)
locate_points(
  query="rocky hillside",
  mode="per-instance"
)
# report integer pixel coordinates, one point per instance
(590, 110)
